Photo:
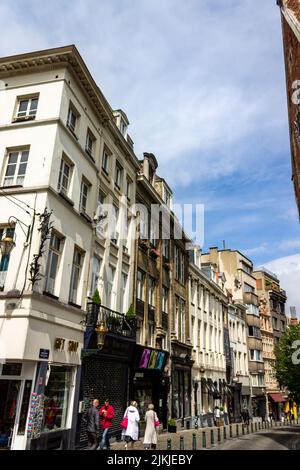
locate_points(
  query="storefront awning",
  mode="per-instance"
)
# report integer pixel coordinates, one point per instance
(277, 397)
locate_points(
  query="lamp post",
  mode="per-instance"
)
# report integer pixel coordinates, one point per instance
(101, 333)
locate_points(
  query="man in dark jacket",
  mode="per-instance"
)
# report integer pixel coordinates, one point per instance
(92, 427)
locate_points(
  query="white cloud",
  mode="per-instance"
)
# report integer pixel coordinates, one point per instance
(263, 248)
(290, 244)
(288, 271)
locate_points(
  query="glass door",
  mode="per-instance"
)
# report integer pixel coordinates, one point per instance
(9, 393)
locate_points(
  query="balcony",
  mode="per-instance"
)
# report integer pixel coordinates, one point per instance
(115, 322)
(250, 298)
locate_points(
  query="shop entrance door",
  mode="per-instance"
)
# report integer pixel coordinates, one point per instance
(9, 393)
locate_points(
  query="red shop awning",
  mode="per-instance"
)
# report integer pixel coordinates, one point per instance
(277, 397)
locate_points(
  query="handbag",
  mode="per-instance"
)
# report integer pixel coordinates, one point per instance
(124, 422)
(156, 423)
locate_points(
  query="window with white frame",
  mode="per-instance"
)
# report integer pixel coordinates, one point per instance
(179, 318)
(252, 309)
(124, 278)
(105, 160)
(96, 266)
(166, 249)
(128, 188)
(248, 288)
(140, 291)
(54, 257)
(255, 355)
(65, 173)
(111, 271)
(114, 234)
(151, 291)
(153, 231)
(167, 197)
(84, 191)
(27, 107)
(123, 127)
(72, 121)
(75, 275)
(4, 259)
(143, 222)
(90, 143)
(16, 167)
(165, 299)
(118, 175)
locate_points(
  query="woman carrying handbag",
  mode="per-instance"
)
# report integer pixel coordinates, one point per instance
(131, 419)
(152, 423)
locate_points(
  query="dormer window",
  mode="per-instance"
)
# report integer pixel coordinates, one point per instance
(123, 127)
(167, 197)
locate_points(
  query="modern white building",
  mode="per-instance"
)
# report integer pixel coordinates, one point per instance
(62, 148)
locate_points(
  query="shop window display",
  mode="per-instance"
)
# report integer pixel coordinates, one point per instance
(57, 394)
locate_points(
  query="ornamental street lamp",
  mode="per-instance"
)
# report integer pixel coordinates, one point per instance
(101, 333)
(7, 244)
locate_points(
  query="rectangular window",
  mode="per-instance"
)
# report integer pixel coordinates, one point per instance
(166, 249)
(4, 259)
(90, 143)
(105, 161)
(246, 267)
(118, 175)
(140, 293)
(165, 299)
(72, 119)
(252, 309)
(27, 107)
(64, 178)
(56, 395)
(54, 256)
(255, 355)
(176, 262)
(124, 279)
(84, 191)
(110, 300)
(254, 331)
(16, 168)
(75, 275)
(151, 291)
(128, 188)
(95, 274)
(248, 288)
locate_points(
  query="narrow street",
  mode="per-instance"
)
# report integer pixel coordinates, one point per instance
(274, 438)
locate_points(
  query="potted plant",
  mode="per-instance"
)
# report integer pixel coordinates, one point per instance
(172, 425)
(94, 307)
(130, 318)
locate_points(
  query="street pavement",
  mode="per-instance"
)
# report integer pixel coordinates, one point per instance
(276, 437)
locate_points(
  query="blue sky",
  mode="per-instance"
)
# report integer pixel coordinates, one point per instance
(203, 85)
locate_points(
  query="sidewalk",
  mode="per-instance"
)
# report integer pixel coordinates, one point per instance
(213, 437)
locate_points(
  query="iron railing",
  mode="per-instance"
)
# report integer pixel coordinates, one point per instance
(115, 322)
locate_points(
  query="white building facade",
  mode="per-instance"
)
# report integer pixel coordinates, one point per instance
(63, 150)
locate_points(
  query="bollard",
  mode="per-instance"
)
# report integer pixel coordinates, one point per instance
(243, 430)
(169, 444)
(230, 431)
(255, 427)
(259, 426)
(203, 439)
(224, 433)
(194, 442)
(251, 427)
(219, 435)
(237, 430)
(248, 429)
(212, 438)
(181, 446)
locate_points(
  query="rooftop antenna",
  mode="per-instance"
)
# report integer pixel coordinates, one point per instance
(224, 246)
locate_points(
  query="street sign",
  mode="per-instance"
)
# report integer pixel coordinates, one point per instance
(44, 354)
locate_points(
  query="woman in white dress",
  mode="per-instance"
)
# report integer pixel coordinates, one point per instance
(150, 438)
(131, 433)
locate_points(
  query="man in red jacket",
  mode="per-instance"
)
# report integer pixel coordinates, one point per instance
(106, 415)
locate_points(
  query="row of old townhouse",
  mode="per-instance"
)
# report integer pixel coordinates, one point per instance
(172, 326)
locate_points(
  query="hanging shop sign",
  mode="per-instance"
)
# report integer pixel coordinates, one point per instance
(150, 359)
(44, 354)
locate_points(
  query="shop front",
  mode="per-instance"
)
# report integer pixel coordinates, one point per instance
(182, 385)
(276, 402)
(258, 401)
(149, 383)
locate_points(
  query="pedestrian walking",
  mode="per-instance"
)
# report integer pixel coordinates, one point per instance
(131, 433)
(217, 415)
(106, 415)
(92, 425)
(245, 416)
(152, 423)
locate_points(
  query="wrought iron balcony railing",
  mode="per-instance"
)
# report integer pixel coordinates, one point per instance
(115, 322)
